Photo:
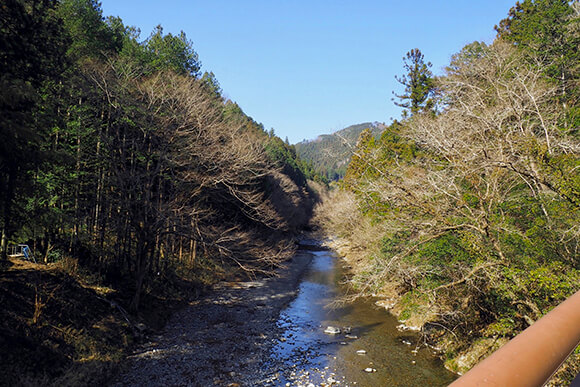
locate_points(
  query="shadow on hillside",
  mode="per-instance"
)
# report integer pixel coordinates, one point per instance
(54, 329)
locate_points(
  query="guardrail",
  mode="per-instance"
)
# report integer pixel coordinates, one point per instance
(532, 357)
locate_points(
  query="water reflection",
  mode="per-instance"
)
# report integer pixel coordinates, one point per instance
(311, 356)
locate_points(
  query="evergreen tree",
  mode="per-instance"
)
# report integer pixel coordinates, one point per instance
(90, 36)
(170, 52)
(418, 82)
(467, 56)
(359, 162)
(212, 84)
(31, 57)
(548, 29)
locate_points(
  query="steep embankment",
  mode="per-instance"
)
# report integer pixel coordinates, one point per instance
(464, 215)
(61, 324)
(142, 184)
(360, 241)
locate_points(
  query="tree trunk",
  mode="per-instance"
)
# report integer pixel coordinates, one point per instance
(3, 245)
(193, 252)
(7, 213)
(141, 268)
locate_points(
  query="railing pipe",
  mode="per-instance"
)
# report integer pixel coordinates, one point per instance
(532, 357)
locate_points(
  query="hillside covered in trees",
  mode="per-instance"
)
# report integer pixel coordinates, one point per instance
(329, 154)
(464, 215)
(137, 185)
(121, 161)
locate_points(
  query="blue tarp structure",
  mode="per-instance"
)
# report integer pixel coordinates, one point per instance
(22, 250)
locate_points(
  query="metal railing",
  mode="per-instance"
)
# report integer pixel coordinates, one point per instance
(532, 357)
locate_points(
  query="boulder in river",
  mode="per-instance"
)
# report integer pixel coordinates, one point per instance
(332, 330)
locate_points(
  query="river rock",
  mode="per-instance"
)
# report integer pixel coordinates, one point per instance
(351, 337)
(387, 304)
(332, 330)
(403, 327)
(370, 370)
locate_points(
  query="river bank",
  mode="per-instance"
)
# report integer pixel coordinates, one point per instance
(224, 338)
(460, 352)
(275, 332)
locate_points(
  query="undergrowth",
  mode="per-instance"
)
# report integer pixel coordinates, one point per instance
(467, 314)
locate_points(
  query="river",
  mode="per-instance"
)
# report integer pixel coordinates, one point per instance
(310, 356)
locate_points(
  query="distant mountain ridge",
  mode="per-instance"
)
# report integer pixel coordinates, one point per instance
(330, 153)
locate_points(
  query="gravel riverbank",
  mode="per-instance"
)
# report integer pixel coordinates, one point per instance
(222, 339)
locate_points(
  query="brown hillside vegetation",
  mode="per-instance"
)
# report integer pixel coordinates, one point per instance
(464, 216)
(63, 324)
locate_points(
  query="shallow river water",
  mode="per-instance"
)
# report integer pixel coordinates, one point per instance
(313, 357)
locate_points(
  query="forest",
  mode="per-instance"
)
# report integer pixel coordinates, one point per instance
(124, 167)
(123, 154)
(464, 215)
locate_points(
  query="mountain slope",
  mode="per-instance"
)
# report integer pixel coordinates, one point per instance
(330, 153)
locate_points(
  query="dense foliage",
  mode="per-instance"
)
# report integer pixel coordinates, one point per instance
(123, 155)
(469, 217)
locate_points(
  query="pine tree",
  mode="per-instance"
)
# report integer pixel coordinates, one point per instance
(418, 82)
(173, 52)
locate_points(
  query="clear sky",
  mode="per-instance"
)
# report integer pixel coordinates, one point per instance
(308, 67)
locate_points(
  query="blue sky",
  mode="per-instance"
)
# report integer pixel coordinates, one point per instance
(308, 67)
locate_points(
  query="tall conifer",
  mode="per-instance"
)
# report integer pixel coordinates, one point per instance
(418, 82)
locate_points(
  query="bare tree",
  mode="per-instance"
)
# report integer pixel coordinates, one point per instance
(489, 151)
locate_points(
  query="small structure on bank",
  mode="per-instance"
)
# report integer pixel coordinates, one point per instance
(21, 251)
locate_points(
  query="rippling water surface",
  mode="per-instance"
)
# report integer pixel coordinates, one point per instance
(311, 356)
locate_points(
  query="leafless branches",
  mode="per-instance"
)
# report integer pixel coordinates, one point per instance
(448, 217)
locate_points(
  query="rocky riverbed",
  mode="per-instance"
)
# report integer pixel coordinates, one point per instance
(280, 331)
(223, 339)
